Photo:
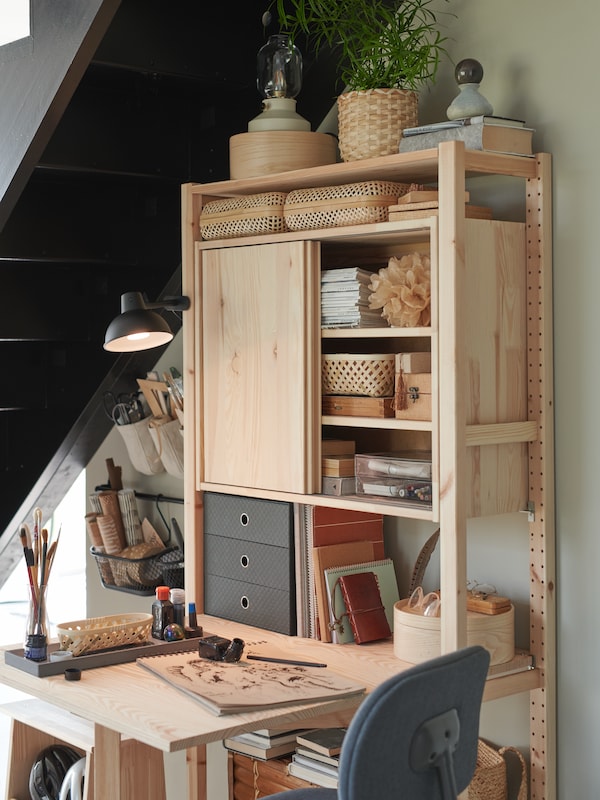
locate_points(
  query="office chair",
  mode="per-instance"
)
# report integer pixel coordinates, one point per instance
(415, 736)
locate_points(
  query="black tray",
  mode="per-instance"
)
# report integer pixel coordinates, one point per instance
(101, 658)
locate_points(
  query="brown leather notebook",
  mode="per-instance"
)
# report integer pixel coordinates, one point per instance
(364, 608)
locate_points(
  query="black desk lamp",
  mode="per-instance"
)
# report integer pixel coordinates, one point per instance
(138, 326)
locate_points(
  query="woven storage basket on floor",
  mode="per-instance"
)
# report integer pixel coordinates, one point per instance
(489, 781)
(370, 123)
(363, 375)
(348, 204)
(243, 216)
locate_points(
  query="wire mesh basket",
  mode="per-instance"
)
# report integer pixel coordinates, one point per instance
(136, 575)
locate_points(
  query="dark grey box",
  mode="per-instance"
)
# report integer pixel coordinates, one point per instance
(249, 561)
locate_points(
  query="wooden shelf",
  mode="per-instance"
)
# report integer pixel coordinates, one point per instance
(491, 346)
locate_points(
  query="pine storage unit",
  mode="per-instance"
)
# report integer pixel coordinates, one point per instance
(252, 354)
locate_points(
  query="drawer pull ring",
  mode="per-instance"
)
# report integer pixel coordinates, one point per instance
(244, 561)
(244, 519)
(244, 602)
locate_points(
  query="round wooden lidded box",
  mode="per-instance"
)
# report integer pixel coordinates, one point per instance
(417, 638)
(258, 153)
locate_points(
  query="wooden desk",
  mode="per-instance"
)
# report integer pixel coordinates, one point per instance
(126, 700)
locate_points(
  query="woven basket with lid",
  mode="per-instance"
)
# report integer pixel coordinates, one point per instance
(371, 122)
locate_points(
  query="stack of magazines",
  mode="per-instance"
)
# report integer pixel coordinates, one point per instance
(345, 299)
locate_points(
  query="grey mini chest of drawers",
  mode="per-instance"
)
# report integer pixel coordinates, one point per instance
(249, 561)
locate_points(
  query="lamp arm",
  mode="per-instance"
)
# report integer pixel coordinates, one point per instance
(179, 303)
(133, 301)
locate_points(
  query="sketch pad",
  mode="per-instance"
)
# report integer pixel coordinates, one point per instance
(246, 686)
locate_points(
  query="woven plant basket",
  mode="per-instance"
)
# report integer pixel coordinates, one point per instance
(370, 123)
(489, 780)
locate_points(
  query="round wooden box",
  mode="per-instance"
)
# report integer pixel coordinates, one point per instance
(417, 638)
(258, 153)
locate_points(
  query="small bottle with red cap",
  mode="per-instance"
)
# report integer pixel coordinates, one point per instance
(162, 612)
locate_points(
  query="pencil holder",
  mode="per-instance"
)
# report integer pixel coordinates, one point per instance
(37, 628)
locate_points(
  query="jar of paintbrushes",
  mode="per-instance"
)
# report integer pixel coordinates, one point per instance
(39, 552)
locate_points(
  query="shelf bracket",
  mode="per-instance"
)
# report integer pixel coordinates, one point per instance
(530, 511)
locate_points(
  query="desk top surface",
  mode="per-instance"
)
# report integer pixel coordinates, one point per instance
(133, 702)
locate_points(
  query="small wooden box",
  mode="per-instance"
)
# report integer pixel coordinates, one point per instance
(417, 638)
(338, 447)
(412, 386)
(412, 399)
(338, 466)
(339, 405)
(252, 778)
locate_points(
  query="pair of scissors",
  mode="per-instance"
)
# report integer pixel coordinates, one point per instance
(124, 408)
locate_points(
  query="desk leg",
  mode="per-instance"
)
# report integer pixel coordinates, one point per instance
(196, 773)
(107, 763)
(175, 767)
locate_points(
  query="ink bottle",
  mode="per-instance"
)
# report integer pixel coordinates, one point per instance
(162, 612)
(177, 597)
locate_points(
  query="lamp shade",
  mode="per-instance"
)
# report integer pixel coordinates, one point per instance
(137, 327)
(279, 68)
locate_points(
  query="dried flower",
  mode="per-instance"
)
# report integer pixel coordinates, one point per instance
(403, 291)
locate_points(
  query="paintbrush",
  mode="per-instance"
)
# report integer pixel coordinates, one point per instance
(51, 554)
(44, 556)
(28, 553)
(37, 526)
(43, 578)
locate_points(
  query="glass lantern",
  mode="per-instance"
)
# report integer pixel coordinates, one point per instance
(279, 80)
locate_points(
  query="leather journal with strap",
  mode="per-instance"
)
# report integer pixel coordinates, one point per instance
(364, 608)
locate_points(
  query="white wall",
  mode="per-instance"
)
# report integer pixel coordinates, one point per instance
(540, 58)
(101, 601)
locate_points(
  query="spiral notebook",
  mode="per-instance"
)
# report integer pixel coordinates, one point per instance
(388, 588)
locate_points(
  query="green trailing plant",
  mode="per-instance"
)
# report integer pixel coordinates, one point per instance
(378, 43)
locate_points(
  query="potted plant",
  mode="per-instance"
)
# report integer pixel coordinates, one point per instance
(386, 50)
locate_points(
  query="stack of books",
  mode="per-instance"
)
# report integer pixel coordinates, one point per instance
(491, 133)
(317, 756)
(263, 744)
(345, 299)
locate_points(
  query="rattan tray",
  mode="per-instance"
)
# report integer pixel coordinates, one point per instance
(101, 633)
(348, 204)
(251, 214)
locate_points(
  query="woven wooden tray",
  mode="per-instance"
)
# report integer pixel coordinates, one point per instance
(101, 633)
(243, 216)
(348, 204)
